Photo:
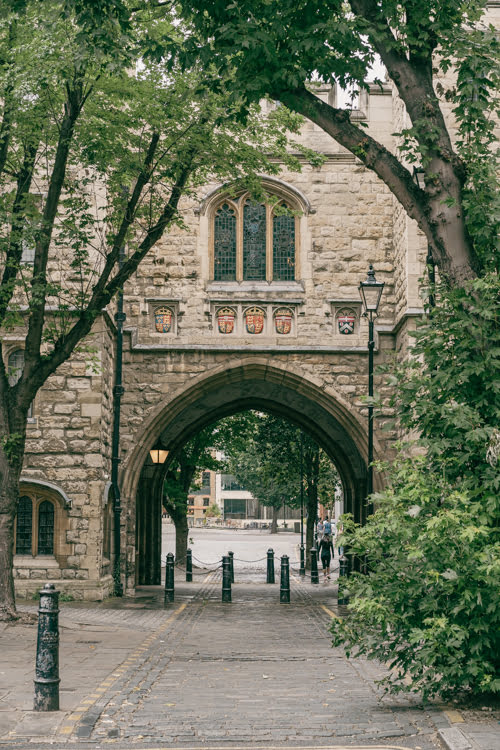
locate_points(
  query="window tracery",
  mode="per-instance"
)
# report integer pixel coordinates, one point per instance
(254, 241)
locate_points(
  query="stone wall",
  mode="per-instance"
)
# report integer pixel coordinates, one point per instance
(348, 219)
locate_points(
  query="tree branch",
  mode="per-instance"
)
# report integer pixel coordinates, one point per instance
(65, 345)
(39, 281)
(15, 245)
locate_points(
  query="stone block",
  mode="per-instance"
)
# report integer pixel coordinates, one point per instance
(68, 573)
(80, 549)
(90, 410)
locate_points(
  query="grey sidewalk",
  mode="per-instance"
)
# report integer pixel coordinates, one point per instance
(200, 673)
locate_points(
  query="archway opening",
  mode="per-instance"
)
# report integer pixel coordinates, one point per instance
(339, 433)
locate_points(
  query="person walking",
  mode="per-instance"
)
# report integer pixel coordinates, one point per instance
(327, 526)
(326, 554)
(319, 530)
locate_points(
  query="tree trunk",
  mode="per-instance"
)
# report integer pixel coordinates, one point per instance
(181, 538)
(9, 492)
(274, 522)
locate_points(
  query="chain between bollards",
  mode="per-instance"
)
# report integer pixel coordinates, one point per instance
(47, 651)
(314, 565)
(226, 579)
(343, 597)
(189, 566)
(169, 578)
(231, 562)
(285, 580)
(270, 566)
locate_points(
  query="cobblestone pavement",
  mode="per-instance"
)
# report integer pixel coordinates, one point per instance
(204, 673)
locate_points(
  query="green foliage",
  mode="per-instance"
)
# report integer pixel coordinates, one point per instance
(213, 511)
(267, 460)
(429, 606)
(449, 391)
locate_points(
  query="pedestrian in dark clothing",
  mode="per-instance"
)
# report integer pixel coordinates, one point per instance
(326, 553)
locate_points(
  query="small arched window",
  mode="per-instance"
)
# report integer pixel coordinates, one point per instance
(254, 241)
(35, 525)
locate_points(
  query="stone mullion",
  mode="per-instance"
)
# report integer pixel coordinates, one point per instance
(239, 240)
(269, 242)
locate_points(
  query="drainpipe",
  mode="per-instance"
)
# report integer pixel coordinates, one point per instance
(118, 392)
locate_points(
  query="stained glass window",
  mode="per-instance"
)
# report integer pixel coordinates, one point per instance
(254, 242)
(225, 244)
(24, 524)
(283, 248)
(46, 528)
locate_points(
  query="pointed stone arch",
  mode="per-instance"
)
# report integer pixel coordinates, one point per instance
(252, 383)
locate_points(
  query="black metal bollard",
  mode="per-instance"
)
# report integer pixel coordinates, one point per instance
(169, 579)
(302, 570)
(314, 565)
(231, 562)
(285, 580)
(47, 651)
(270, 566)
(189, 566)
(226, 579)
(343, 598)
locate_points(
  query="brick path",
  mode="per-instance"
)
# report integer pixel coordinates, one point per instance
(206, 674)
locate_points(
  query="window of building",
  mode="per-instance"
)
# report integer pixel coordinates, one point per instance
(230, 483)
(34, 526)
(206, 502)
(205, 479)
(15, 366)
(254, 241)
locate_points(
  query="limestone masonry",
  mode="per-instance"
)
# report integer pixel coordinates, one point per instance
(204, 338)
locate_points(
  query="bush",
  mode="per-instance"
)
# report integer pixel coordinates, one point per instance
(430, 604)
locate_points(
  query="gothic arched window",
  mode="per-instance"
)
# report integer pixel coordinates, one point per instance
(35, 525)
(254, 241)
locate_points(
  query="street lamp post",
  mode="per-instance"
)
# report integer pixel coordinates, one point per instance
(370, 291)
(302, 570)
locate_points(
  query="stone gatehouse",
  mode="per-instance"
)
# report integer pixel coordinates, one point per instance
(251, 306)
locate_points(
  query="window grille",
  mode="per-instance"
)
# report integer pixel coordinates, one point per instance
(24, 526)
(46, 528)
(225, 244)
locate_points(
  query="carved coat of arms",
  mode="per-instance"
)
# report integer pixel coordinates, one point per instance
(254, 320)
(283, 320)
(346, 320)
(163, 319)
(225, 320)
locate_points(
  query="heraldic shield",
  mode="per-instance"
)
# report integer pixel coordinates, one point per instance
(346, 320)
(163, 319)
(254, 320)
(283, 320)
(225, 320)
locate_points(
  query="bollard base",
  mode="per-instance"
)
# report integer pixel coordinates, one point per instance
(285, 597)
(226, 596)
(46, 695)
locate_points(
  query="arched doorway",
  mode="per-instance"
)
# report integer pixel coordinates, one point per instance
(252, 384)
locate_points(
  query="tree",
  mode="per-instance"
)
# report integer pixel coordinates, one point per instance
(433, 52)
(100, 138)
(429, 605)
(272, 459)
(184, 466)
